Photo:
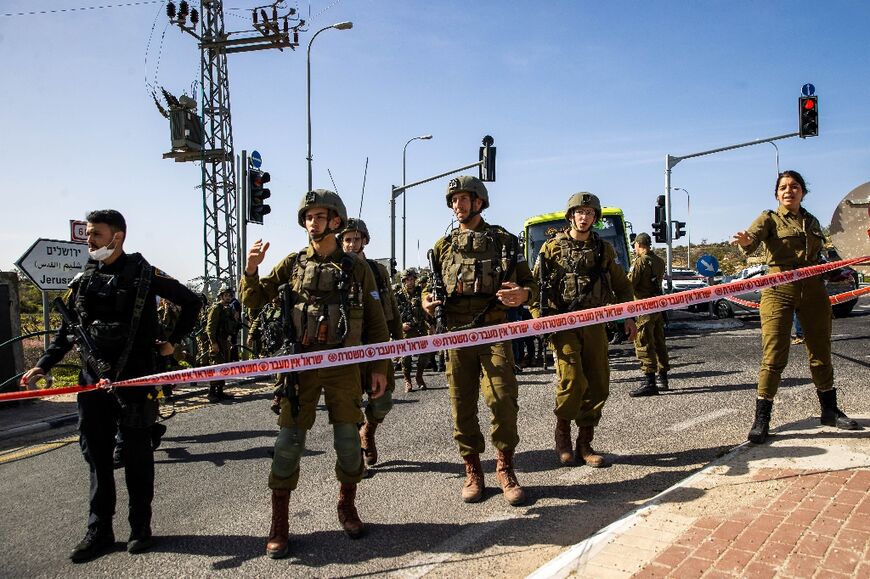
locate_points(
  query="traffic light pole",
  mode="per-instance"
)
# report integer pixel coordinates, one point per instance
(671, 162)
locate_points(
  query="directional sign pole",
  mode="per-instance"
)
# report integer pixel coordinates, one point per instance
(46, 319)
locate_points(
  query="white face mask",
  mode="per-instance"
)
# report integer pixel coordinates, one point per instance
(102, 253)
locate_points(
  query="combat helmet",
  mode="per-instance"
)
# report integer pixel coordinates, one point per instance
(224, 289)
(354, 224)
(471, 185)
(410, 272)
(583, 199)
(322, 198)
(643, 239)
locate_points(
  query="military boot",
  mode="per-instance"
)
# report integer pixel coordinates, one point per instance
(472, 490)
(758, 433)
(648, 388)
(584, 448)
(563, 441)
(213, 393)
(419, 378)
(347, 515)
(408, 386)
(221, 394)
(279, 533)
(96, 542)
(663, 382)
(157, 431)
(504, 470)
(831, 414)
(367, 442)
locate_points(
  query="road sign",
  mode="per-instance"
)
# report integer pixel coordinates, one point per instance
(808, 90)
(707, 265)
(256, 159)
(78, 231)
(51, 264)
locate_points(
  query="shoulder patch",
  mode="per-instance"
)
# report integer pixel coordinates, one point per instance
(375, 295)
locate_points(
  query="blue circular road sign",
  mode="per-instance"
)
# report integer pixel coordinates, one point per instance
(256, 159)
(808, 90)
(707, 265)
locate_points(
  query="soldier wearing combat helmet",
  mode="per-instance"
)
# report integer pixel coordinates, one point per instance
(582, 271)
(484, 275)
(413, 324)
(646, 274)
(335, 301)
(353, 240)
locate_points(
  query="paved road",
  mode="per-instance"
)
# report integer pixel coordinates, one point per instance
(212, 505)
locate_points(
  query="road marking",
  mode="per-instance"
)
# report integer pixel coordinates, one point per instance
(19, 453)
(457, 544)
(687, 424)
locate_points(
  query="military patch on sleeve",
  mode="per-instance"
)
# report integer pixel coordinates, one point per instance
(376, 295)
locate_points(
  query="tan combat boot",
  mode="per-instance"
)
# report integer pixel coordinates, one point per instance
(347, 515)
(563, 441)
(367, 442)
(584, 448)
(279, 540)
(408, 385)
(472, 491)
(504, 470)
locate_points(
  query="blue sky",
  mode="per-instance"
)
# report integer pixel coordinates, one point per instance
(578, 95)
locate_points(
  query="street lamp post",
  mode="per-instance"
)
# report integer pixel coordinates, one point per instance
(404, 196)
(338, 26)
(688, 228)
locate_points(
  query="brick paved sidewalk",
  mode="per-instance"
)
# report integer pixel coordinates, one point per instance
(798, 506)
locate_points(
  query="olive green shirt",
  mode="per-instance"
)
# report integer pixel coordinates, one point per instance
(612, 271)
(221, 324)
(789, 240)
(256, 291)
(460, 309)
(646, 275)
(394, 321)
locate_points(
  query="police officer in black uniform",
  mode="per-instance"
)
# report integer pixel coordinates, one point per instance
(114, 299)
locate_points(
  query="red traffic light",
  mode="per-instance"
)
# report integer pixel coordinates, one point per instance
(809, 104)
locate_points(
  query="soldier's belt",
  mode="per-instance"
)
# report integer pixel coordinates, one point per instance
(459, 339)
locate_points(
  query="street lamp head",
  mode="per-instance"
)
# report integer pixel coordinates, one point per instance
(425, 137)
(343, 26)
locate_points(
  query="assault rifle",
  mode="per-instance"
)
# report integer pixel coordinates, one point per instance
(84, 344)
(289, 385)
(438, 292)
(544, 288)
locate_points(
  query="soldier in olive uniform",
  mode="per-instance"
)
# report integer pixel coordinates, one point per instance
(220, 328)
(335, 303)
(353, 240)
(266, 334)
(792, 239)
(484, 274)
(646, 274)
(582, 270)
(414, 325)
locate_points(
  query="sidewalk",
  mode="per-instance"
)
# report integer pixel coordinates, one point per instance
(797, 506)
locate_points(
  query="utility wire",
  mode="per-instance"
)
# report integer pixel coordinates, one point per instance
(81, 8)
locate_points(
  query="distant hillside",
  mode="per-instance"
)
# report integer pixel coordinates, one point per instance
(730, 258)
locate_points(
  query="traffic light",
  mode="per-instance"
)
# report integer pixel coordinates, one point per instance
(257, 195)
(660, 233)
(487, 158)
(808, 116)
(679, 229)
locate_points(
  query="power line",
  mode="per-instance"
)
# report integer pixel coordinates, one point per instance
(81, 8)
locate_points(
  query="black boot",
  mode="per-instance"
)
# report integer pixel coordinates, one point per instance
(649, 387)
(831, 415)
(758, 433)
(157, 432)
(213, 393)
(140, 540)
(96, 542)
(663, 381)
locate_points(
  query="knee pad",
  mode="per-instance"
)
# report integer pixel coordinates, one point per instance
(347, 447)
(289, 447)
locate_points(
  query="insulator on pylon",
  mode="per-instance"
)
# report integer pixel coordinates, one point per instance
(170, 9)
(286, 26)
(275, 13)
(194, 17)
(264, 15)
(183, 8)
(254, 16)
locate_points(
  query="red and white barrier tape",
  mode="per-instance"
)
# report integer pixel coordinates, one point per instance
(458, 339)
(836, 299)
